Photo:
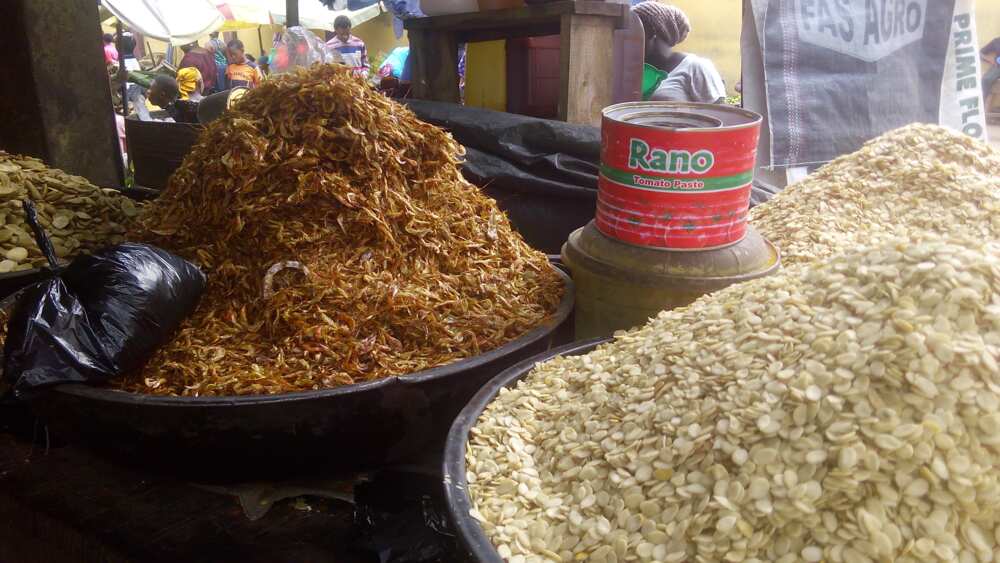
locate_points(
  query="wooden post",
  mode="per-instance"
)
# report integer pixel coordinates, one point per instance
(587, 67)
(435, 65)
(55, 100)
(291, 13)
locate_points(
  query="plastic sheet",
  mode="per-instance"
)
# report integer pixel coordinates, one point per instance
(401, 517)
(542, 173)
(102, 317)
(547, 154)
(298, 48)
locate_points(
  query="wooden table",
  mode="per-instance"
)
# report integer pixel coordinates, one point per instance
(586, 28)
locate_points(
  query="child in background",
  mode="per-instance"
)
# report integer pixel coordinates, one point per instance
(351, 49)
(239, 73)
(110, 51)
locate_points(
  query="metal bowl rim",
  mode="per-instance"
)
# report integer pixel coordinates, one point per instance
(470, 533)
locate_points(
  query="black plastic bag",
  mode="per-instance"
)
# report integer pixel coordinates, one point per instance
(400, 517)
(102, 317)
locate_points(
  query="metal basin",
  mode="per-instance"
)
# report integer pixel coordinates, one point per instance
(472, 539)
(348, 428)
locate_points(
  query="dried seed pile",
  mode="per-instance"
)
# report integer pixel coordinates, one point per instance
(918, 178)
(399, 264)
(844, 411)
(77, 215)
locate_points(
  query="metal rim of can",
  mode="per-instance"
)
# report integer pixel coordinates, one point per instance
(235, 95)
(571, 252)
(613, 113)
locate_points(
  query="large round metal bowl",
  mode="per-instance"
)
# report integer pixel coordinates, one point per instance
(348, 428)
(472, 539)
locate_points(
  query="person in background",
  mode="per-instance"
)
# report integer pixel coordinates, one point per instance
(165, 93)
(351, 49)
(239, 73)
(127, 54)
(190, 84)
(203, 60)
(264, 65)
(991, 55)
(120, 129)
(218, 48)
(671, 75)
(110, 51)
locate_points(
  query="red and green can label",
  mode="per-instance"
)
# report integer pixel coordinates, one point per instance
(675, 188)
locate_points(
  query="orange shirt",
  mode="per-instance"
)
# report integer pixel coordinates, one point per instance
(242, 75)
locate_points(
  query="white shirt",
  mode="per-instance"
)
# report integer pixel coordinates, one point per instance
(695, 79)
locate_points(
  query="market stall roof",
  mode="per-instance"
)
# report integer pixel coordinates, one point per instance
(314, 15)
(176, 21)
(243, 14)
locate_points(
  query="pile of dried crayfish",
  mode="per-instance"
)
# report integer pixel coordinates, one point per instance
(341, 243)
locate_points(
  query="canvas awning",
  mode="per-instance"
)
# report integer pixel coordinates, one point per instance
(314, 15)
(176, 21)
(243, 14)
(183, 21)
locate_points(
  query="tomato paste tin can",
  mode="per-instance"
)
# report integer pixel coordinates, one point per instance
(676, 175)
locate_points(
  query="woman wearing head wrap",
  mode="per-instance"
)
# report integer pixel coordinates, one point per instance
(189, 84)
(671, 75)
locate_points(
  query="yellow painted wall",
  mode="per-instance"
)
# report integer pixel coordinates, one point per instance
(486, 75)
(716, 25)
(379, 37)
(715, 34)
(987, 20)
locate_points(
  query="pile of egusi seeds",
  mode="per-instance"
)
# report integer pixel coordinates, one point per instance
(918, 178)
(77, 215)
(845, 409)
